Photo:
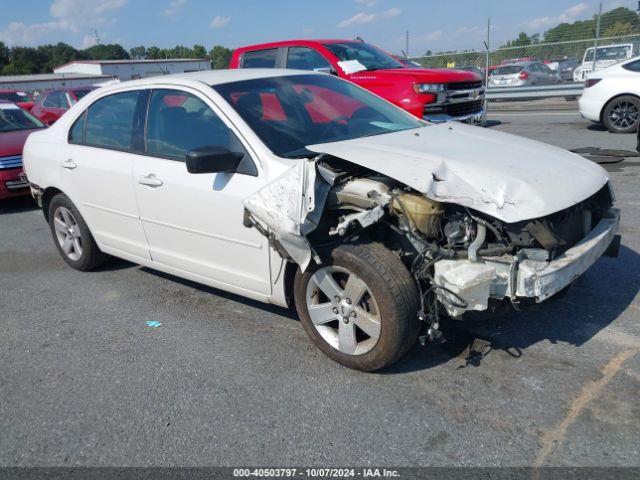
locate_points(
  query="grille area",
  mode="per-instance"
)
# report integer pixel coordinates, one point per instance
(10, 162)
(463, 108)
(464, 85)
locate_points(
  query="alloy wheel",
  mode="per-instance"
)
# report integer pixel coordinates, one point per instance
(624, 115)
(343, 310)
(68, 233)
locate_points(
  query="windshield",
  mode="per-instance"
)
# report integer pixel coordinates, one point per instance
(608, 53)
(14, 118)
(291, 112)
(510, 70)
(370, 57)
(14, 96)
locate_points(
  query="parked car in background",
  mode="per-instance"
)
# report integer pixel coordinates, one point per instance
(475, 69)
(612, 96)
(523, 75)
(299, 188)
(437, 95)
(509, 61)
(15, 126)
(51, 105)
(17, 97)
(564, 67)
(606, 56)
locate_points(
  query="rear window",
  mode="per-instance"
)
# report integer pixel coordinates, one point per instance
(509, 70)
(14, 96)
(260, 59)
(81, 93)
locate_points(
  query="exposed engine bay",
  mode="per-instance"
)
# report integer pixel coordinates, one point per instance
(461, 259)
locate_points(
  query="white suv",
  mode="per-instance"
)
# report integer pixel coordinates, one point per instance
(301, 188)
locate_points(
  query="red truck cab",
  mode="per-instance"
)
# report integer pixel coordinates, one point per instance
(436, 95)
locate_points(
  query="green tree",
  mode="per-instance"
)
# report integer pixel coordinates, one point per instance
(138, 53)
(199, 51)
(4, 55)
(106, 52)
(220, 57)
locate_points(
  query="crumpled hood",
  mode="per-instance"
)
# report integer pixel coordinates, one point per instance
(505, 176)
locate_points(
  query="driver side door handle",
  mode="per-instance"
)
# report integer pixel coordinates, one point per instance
(150, 180)
(69, 164)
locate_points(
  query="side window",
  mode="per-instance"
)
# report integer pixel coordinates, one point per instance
(178, 122)
(52, 100)
(633, 66)
(110, 121)
(303, 58)
(260, 59)
(76, 133)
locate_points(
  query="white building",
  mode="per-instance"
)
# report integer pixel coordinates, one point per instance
(133, 69)
(49, 81)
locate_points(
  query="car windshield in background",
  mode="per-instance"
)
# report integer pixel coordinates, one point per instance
(608, 53)
(81, 93)
(369, 56)
(288, 113)
(13, 118)
(14, 96)
(509, 70)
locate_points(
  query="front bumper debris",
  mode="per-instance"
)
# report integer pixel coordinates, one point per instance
(541, 280)
(529, 274)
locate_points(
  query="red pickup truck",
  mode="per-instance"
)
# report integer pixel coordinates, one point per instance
(436, 95)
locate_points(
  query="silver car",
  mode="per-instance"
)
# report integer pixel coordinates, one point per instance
(523, 74)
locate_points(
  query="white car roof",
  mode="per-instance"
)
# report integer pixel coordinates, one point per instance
(217, 77)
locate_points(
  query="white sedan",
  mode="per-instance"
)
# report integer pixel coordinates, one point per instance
(612, 97)
(301, 189)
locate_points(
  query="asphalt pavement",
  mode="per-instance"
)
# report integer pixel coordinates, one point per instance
(228, 381)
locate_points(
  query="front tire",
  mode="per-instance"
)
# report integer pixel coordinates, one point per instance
(72, 236)
(360, 307)
(621, 115)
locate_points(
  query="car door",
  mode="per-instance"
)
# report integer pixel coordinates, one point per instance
(194, 222)
(97, 170)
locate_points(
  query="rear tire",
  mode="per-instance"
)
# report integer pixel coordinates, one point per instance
(621, 115)
(72, 236)
(360, 307)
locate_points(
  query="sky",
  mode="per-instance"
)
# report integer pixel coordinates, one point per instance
(432, 24)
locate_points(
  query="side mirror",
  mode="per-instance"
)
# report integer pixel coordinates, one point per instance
(327, 70)
(212, 159)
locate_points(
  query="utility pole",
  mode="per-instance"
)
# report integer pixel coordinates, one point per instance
(406, 52)
(487, 45)
(595, 43)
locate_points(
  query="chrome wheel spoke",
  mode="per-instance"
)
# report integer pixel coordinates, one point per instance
(67, 245)
(354, 289)
(327, 284)
(66, 216)
(76, 246)
(59, 225)
(322, 313)
(368, 323)
(347, 338)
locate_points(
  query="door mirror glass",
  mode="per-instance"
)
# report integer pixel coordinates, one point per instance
(213, 159)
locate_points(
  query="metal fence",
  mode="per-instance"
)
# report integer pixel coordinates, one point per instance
(567, 50)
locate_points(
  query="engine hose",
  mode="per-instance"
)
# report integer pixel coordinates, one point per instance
(484, 222)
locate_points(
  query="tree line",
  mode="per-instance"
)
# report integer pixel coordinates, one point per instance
(44, 58)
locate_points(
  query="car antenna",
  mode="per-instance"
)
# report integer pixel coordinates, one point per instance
(361, 40)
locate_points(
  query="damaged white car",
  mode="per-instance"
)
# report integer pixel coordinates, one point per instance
(302, 189)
